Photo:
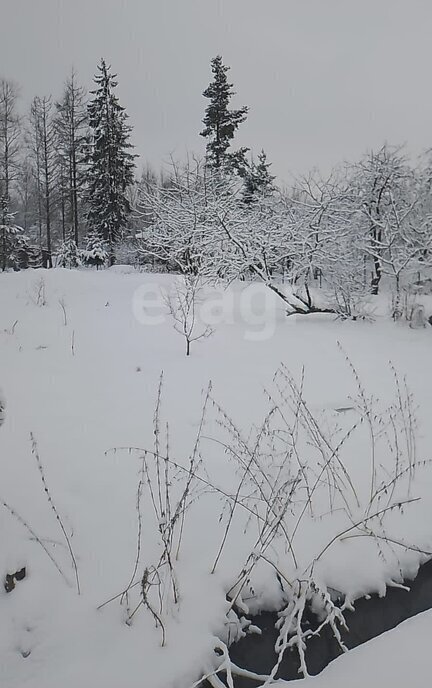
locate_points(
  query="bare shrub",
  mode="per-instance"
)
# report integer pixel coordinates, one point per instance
(296, 468)
(62, 304)
(171, 490)
(2, 408)
(183, 304)
(28, 527)
(54, 509)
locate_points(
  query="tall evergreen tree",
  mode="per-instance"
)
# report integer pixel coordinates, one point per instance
(111, 168)
(258, 181)
(220, 122)
(11, 236)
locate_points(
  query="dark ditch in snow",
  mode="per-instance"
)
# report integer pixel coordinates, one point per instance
(371, 617)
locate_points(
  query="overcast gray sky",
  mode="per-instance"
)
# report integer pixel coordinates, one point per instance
(325, 80)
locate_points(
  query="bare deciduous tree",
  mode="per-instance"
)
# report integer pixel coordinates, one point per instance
(71, 125)
(10, 131)
(43, 149)
(183, 304)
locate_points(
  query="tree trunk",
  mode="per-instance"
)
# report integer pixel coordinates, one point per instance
(376, 278)
(4, 211)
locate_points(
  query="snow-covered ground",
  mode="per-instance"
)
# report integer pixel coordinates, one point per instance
(395, 659)
(81, 355)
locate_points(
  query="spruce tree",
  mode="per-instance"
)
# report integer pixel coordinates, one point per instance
(111, 168)
(257, 179)
(95, 253)
(10, 236)
(220, 122)
(68, 255)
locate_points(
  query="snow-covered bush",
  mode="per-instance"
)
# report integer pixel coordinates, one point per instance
(345, 277)
(170, 490)
(352, 470)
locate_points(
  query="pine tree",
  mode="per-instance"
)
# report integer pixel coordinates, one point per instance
(112, 166)
(220, 122)
(258, 181)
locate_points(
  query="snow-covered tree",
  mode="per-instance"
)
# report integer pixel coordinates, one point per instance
(394, 217)
(221, 123)
(257, 179)
(179, 224)
(111, 164)
(95, 252)
(69, 255)
(376, 186)
(11, 237)
(200, 225)
(340, 261)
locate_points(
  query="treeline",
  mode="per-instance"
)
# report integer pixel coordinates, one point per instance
(68, 186)
(66, 170)
(67, 173)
